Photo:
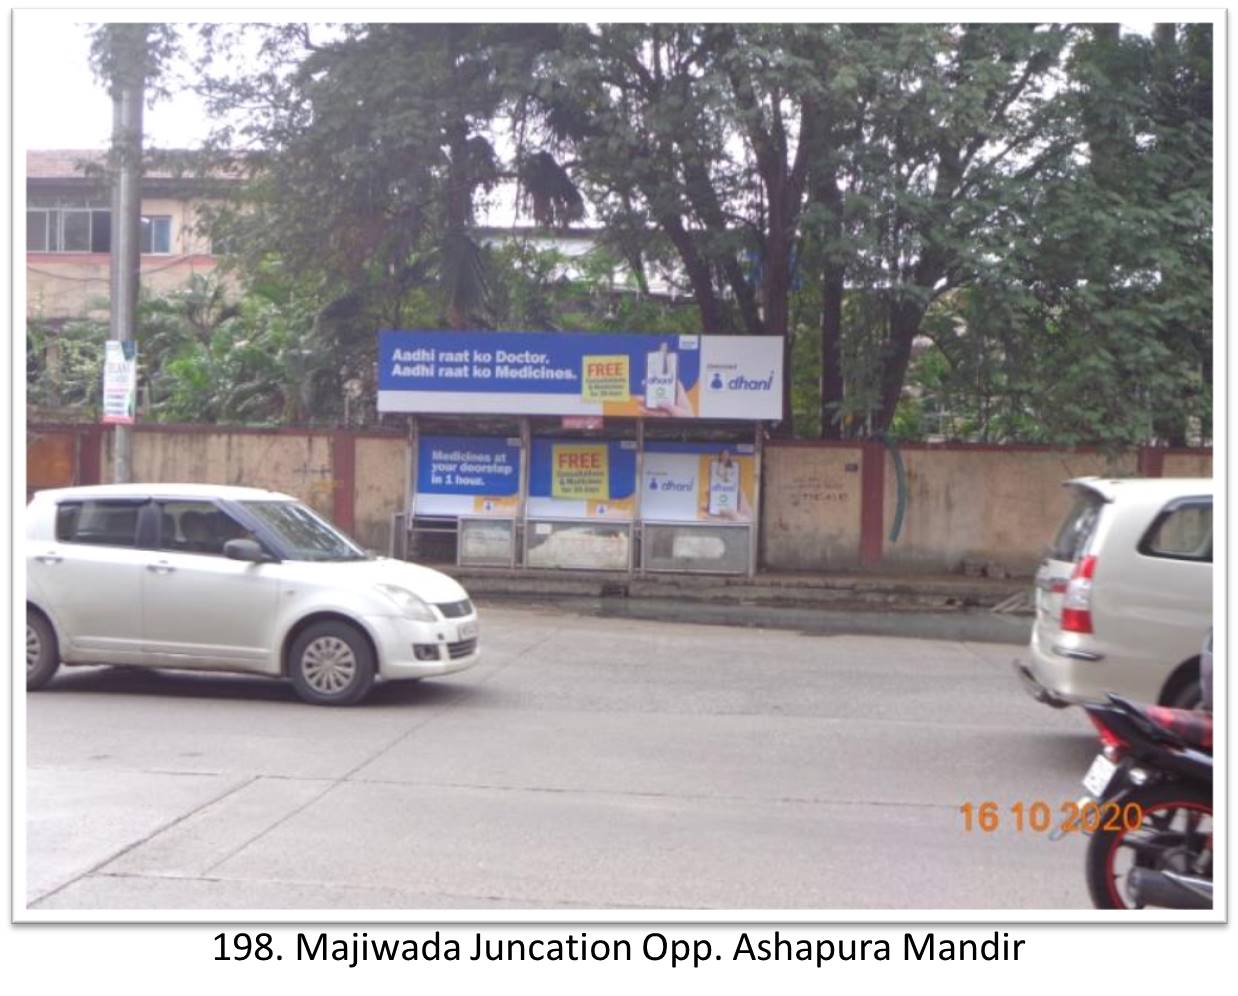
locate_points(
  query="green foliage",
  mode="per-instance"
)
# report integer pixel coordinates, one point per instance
(64, 365)
(134, 52)
(1092, 316)
(545, 289)
(806, 381)
(282, 354)
(375, 143)
(993, 231)
(249, 364)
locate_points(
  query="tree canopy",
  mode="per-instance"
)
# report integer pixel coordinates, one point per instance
(996, 231)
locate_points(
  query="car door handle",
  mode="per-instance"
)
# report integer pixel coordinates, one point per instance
(163, 567)
(49, 558)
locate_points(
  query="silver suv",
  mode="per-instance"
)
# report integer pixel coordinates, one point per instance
(1124, 595)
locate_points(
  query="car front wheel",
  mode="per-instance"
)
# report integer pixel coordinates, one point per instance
(42, 651)
(331, 663)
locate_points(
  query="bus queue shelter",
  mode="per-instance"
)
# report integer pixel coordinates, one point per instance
(619, 452)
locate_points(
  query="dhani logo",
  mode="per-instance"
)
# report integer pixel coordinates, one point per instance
(741, 383)
(738, 382)
(661, 481)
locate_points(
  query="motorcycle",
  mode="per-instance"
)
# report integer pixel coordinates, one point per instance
(1148, 810)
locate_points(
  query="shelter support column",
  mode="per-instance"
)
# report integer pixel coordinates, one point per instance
(520, 537)
(754, 531)
(638, 532)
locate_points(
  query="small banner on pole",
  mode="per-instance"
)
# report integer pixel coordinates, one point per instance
(120, 382)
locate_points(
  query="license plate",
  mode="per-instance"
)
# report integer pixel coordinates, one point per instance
(1099, 775)
(467, 631)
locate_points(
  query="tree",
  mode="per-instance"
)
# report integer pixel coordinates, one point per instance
(1097, 304)
(1032, 198)
(878, 151)
(656, 114)
(373, 145)
(946, 123)
(1152, 165)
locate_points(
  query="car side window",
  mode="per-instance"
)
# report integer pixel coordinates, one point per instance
(98, 523)
(1182, 531)
(197, 527)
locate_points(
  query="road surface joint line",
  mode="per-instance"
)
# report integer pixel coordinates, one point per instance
(149, 837)
(632, 793)
(279, 822)
(347, 775)
(345, 887)
(128, 771)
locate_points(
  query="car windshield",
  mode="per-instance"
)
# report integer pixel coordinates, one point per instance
(302, 534)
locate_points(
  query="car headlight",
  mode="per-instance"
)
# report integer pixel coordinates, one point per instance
(410, 604)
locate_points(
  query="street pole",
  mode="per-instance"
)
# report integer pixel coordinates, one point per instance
(128, 83)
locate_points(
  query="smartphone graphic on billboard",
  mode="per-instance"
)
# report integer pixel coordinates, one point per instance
(723, 485)
(661, 375)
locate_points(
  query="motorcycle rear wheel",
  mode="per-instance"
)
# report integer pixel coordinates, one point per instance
(1169, 838)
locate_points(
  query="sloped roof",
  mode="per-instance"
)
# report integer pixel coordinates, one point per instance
(58, 164)
(68, 164)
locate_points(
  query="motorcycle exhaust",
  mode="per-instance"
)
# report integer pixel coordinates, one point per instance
(1169, 889)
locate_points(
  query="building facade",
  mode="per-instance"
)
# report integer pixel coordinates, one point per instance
(69, 232)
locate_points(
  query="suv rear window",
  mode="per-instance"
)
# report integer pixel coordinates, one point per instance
(1077, 528)
(101, 523)
(1182, 531)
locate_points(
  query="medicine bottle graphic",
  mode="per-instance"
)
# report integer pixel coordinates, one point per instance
(661, 376)
(723, 485)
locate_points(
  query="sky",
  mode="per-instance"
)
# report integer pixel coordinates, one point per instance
(70, 110)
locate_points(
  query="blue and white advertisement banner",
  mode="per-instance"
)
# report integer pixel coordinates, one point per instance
(467, 475)
(581, 373)
(582, 479)
(698, 482)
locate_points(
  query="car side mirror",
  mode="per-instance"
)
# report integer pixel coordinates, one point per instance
(246, 549)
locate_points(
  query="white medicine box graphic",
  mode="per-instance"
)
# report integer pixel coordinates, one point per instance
(723, 486)
(661, 375)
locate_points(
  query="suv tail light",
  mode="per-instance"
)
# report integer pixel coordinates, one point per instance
(1077, 602)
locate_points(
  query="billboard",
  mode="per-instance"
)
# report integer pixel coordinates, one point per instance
(467, 475)
(698, 482)
(579, 479)
(581, 373)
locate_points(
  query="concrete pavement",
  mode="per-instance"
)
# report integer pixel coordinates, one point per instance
(587, 762)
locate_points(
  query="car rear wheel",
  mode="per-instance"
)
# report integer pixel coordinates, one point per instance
(1190, 697)
(1184, 690)
(42, 651)
(331, 663)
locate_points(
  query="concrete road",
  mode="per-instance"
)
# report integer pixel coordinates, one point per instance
(588, 762)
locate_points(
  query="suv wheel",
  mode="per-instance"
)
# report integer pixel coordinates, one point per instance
(1190, 696)
(331, 663)
(42, 651)
(1183, 690)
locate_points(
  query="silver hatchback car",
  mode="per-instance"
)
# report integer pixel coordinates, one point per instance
(230, 579)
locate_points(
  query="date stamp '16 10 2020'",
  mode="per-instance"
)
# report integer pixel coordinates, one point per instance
(1087, 816)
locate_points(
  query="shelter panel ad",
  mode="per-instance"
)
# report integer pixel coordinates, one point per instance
(467, 475)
